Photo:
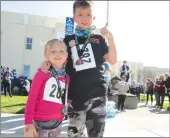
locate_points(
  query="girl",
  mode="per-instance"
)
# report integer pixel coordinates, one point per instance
(161, 91)
(47, 98)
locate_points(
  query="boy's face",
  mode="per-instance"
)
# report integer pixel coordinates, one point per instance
(84, 17)
(57, 54)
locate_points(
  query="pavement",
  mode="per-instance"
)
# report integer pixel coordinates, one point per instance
(145, 121)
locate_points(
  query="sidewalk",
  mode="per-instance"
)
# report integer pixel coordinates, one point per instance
(143, 122)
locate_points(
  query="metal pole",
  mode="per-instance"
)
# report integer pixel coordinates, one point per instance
(107, 13)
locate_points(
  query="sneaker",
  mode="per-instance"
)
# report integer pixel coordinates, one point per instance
(118, 111)
(123, 110)
(160, 107)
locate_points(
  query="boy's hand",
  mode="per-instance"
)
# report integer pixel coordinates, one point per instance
(45, 66)
(30, 131)
(105, 32)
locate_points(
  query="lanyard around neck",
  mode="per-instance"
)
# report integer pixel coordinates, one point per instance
(81, 51)
(59, 94)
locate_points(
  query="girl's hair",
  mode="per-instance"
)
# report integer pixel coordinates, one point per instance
(50, 43)
(161, 77)
(148, 79)
(157, 78)
(82, 3)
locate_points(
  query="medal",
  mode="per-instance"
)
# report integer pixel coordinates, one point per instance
(64, 110)
(79, 62)
(72, 43)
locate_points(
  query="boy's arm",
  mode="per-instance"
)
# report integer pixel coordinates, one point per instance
(111, 56)
(31, 101)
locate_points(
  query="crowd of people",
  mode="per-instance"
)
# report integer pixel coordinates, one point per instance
(159, 89)
(9, 81)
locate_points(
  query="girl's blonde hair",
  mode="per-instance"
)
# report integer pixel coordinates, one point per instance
(161, 77)
(157, 78)
(51, 42)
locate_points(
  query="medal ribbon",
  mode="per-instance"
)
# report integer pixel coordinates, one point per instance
(56, 75)
(80, 51)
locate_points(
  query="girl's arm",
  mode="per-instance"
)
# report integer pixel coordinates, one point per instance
(32, 98)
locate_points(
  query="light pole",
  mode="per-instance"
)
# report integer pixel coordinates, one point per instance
(107, 20)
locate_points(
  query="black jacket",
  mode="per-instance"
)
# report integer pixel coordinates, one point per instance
(167, 83)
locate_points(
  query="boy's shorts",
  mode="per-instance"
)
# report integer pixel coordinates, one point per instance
(50, 128)
(93, 117)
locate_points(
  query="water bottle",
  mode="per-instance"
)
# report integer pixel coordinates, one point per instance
(110, 109)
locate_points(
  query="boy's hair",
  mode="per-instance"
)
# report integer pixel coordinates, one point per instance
(50, 43)
(82, 3)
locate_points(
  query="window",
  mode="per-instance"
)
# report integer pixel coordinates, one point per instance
(28, 43)
(26, 70)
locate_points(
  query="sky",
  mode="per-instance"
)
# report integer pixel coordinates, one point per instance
(140, 28)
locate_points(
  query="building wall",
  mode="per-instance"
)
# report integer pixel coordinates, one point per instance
(15, 27)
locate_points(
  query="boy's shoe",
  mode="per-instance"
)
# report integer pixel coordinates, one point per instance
(118, 111)
(123, 110)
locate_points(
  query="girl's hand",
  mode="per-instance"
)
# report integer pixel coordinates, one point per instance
(30, 131)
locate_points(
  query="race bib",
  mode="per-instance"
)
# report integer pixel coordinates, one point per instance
(87, 59)
(51, 92)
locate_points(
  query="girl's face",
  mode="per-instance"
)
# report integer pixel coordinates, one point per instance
(57, 54)
(84, 17)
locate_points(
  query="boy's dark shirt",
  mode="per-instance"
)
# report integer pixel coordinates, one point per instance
(88, 83)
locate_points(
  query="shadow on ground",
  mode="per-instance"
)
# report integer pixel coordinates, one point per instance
(14, 126)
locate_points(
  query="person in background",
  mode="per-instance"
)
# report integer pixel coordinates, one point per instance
(107, 70)
(122, 88)
(161, 91)
(13, 81)
(2, 73)
(150, 86)
(138, 91)
(156, 91)
(133, 88)
(125, 71)
(167, 84)
(7, 77)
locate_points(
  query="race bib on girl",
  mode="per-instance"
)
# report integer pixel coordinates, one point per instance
(51, 92)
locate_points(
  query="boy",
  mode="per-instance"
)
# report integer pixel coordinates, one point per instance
(87, 91)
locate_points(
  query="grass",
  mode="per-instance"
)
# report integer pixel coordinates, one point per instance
(13, 105)
(16, 104)
(165, 105)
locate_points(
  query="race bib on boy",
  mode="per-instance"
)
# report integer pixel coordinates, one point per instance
(51, 92)
(87, 60)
